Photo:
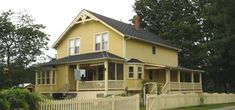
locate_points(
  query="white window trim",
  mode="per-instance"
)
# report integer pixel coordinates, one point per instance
(94, 41)
(133, 72)
(73, 38)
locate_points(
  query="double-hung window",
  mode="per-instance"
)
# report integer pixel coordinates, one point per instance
(139, 72)
(101, 41)
(131, 72)
(74, 45)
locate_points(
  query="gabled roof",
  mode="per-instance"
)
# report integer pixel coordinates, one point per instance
(124, 29)
(133, 60)
(83, 57)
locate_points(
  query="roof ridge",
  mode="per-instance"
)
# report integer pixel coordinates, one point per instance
(108, 17)
(130, 31)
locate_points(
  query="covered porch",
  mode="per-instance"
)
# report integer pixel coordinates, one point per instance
(102, 76)
(102, 71)
(174, 79)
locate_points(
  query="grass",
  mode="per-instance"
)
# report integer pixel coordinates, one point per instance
(142, 107)
(203, 107)
(206, 107)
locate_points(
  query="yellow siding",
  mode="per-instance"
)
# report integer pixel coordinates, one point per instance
(86, 33)
(61, 77)
(143, 52)
(60, 81)
(134, 83)
(45, 88)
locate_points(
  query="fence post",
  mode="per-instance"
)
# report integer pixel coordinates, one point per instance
(144, 95)
(147, 102)
(137, 97)
(112, 102)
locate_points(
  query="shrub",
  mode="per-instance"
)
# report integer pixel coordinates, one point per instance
(18, 98)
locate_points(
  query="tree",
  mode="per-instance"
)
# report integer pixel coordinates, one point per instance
(220, 28)
(178, 21)
(21, 40)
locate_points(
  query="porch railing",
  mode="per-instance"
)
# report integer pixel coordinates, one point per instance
(197, 86)
(100, 85)
(185, 86)
(91, 85)
(116, 84)
(165, 88)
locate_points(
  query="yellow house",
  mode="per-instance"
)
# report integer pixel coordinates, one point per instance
(97, 56)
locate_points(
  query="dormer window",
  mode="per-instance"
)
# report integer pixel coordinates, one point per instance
(74, 45)
(101, 41)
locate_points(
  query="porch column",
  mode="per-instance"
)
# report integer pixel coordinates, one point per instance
(106, 76)
(178, 77)
(192, 80)
(200, 80)
(125, 75)
(77, 81)
(168, 78)
(115, 71)
(51, 75)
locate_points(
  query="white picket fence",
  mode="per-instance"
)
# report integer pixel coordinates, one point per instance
(169, 101)
(109, 103)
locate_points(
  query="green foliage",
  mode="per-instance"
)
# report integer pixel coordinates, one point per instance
(21, 41)
(177, 21)
(18, 98)
(219, 25)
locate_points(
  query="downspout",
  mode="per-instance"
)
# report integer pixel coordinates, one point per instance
(125, 38)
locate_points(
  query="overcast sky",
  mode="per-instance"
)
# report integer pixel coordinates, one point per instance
(56, 15)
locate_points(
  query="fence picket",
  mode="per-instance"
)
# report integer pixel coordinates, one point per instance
(169, 101)
(113, 103)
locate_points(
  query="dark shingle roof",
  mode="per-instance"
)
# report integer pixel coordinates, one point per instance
(133, 60)
(83, 57)
(130, 31)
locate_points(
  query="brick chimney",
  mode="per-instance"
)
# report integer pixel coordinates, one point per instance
(136, 22)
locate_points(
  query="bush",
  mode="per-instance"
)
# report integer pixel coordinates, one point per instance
(18, 98)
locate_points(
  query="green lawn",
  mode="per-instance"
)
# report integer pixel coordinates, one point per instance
(204, 107)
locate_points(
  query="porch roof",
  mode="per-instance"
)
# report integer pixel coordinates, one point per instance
(154, 66)
(189, 69)
(84, 57)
